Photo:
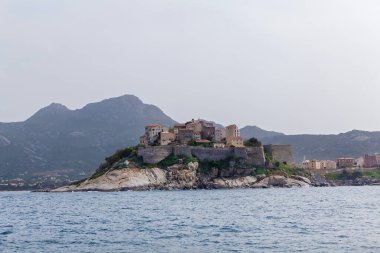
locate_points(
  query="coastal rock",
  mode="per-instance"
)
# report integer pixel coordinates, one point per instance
(241, 182)
(264, 183)
(174, 177)
(181, 176)
(178, 176)
(280, 181)
(303, 179)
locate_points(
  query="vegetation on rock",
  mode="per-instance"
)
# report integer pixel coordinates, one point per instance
(252, 142)
(120, 155)
(348, 175)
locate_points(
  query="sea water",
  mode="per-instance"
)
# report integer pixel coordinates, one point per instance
(342, 219)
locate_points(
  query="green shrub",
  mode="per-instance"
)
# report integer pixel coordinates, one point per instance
(260, 171)
(128, 153)
(252, 142)
(346, 175)
(172, 160)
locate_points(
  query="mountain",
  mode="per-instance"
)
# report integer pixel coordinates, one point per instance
(254, 131)
(355, 143)
(74, 141)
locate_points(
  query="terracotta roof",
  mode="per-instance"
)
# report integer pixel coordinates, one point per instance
(154, 125)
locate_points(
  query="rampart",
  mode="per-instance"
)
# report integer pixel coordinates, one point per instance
(252, 155)
(154, 154)
(281, 153)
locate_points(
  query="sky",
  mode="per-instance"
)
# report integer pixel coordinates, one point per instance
(294, 66)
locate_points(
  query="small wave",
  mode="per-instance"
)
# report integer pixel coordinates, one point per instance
(6, 232)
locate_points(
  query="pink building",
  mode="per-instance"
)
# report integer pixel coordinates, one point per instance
(370, 161)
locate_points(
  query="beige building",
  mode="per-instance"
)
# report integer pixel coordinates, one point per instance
(235, 141)
(166, 138)
(318, 165)
(314, 165)
(232, 131)
(220, 134)
(152, 133)
(178, 127)
(328, 165)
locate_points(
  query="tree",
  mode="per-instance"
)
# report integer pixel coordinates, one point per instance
(252, 142)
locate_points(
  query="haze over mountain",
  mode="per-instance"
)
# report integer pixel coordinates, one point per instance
(74, 142)
(254, 131)
(355, 143)
(56, 138)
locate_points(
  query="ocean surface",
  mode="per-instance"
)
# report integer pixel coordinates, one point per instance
(342, 219)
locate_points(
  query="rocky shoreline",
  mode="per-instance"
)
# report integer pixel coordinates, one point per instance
(178, 177)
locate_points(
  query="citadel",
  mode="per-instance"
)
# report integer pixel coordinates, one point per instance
(201, 139)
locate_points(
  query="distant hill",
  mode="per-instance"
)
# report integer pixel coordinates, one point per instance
(56, 138)
(254, 131)
(74, 142)
(354, 143)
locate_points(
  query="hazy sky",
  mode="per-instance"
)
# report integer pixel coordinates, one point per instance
(293, 66)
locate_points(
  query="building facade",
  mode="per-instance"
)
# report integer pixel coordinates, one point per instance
(328, 165)
(166, 138)
(235, 141)
(232, 131)
(346, 162)
(220, 134)
(371, 161)
(152, 133)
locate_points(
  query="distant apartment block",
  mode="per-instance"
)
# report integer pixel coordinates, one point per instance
(371, 161)
(328, 165)
(319, 164)
(346, 162)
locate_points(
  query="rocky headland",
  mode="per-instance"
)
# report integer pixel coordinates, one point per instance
(178, 177)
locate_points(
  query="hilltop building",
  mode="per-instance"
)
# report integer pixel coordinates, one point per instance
(166, 138)
(319, 165)
(371, 161)
(346, 162)
(152, 134)
(197, 131)
(328, 165)
(202, 140)
(220, 134)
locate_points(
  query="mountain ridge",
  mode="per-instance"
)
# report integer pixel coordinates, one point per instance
(57, 138)
(74, 142)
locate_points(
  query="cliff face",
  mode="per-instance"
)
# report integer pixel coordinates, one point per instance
(176, 177)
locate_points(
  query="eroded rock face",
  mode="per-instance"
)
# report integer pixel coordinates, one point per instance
(181, 177)
(280, 181)
(178, 177)
(174, 177)
(303, 179)
(241, 182)
(123, 179)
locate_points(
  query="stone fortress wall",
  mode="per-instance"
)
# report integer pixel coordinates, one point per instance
(252, 155)
(281, 153)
